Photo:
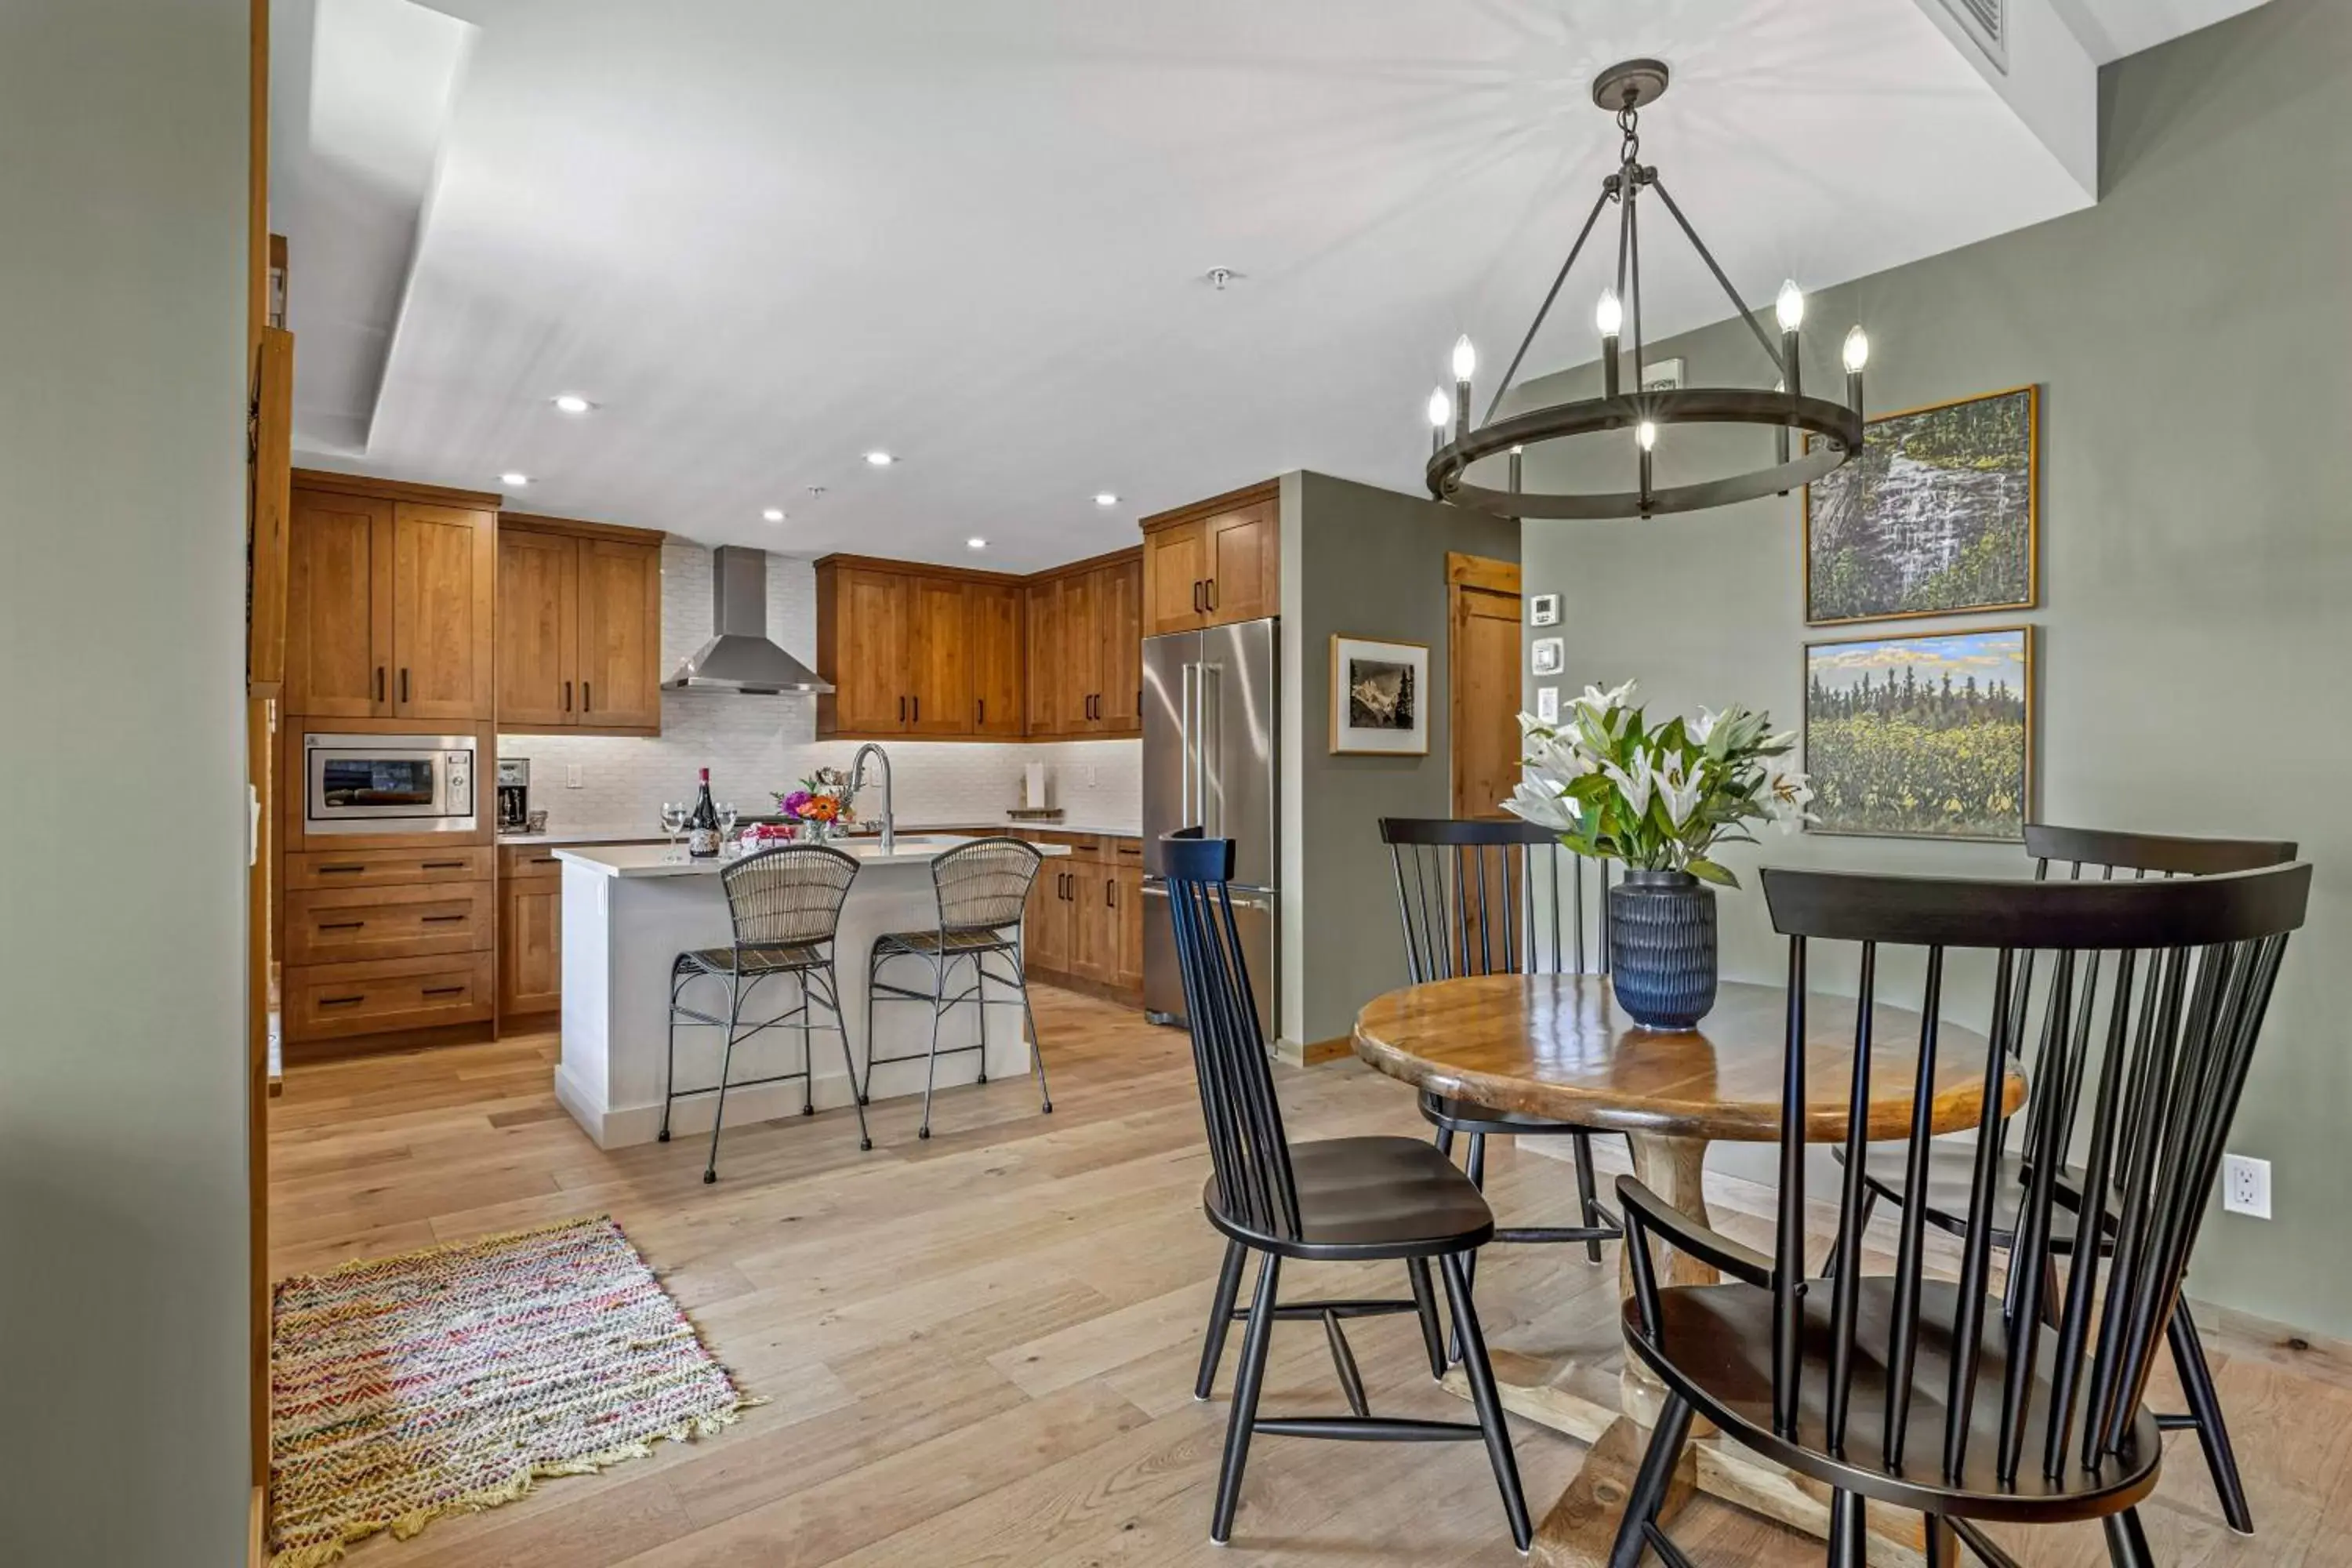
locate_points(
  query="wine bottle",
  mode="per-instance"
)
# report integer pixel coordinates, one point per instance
(702, 824)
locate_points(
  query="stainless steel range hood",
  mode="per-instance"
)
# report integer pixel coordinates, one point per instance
(739, 657)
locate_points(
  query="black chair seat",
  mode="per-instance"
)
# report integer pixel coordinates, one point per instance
(1951, 1171)
(1370, 1198)
(772, 959)
(1464, 1116)
(1720, 1337)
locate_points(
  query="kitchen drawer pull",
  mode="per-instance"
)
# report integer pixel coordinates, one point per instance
(543, 859)
(440, 920)
(342, 1001)
(442, 991)
(341, 925)
(444, 865)
(340, 870)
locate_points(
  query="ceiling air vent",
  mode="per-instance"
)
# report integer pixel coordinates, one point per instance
(1986, 23)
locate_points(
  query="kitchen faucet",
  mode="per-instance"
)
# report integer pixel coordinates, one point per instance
(857, 783)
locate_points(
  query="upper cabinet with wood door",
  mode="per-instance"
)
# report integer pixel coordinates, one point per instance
(1213, 564)
(996, 615)
(390, 601)
(579, 627)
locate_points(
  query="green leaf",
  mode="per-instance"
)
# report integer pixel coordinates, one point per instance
(1706, 870)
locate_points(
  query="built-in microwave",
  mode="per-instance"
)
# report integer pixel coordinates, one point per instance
(388, 783)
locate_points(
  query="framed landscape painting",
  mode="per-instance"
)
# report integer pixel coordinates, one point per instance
(1380, 697)
(1937, 516)
(1927, 736)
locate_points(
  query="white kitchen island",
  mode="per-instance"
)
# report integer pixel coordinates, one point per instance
(629, 910)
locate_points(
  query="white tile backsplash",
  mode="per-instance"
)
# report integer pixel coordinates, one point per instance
(753, 745)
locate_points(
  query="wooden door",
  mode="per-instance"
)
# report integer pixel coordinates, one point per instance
(1239, 548)
(871, 642)
(1045, 694)
(938, 663)
(538, 631)
(620, 634)
(1128, 890)
(1175, 580)
(1094, 927)
(1118, 594)
(530, 947)
(1484, 675)
(1046, 931)
(443, 569)
(1082, 648)
(994, 612)
(338, 608)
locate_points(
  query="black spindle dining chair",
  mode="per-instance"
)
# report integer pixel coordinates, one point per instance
(1927, 1395)
(1333, 1200)
(2101, 854)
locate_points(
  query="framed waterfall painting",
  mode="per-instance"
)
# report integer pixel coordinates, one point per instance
(1380, 698)
(1938, 516)
(1922, 736)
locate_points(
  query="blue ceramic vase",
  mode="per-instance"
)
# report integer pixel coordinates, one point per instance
(1662, 947)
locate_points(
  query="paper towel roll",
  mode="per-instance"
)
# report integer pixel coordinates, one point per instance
(1033, 786)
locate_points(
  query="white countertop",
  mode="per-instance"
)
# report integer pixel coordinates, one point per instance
(653, 859)
(582, 835)
(641, 834)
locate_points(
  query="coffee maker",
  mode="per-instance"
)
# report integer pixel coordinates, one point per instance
(514, 794)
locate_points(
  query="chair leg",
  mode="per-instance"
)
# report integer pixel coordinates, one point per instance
(669, 1062)
(1424, 1301)
(1445, 1142)
(1243, 1418)
(1221, 1316)
(873, 972)
(980, 989)
(1586, 1192)
(1943, 1543)
(1650, 1482)
(848, 1062)
(1847, 1537)
(1477, 1174)
(1037, 1047)
(2127, 1541)
(726, 1068)
(932, 1063)
(808, 1049)
(2205, 1407)
(1483, 1396)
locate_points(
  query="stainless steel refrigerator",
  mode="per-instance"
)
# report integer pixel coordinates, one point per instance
(1210, 715)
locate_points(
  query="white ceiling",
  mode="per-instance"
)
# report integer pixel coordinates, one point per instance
(766, 236)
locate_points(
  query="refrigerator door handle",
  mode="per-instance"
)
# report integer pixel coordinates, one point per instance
(1209, 716)
(1185, 698)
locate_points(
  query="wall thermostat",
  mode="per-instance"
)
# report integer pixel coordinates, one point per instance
(1548, 704)
(1550, 656)
(1543, 610)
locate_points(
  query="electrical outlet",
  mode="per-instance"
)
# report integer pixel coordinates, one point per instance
(572, 775)
(2246, 1185)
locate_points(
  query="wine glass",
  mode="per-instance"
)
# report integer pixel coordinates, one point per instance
(672, 821)
(727, 825)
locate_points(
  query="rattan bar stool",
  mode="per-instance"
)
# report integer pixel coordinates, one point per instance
(786, 907)
(984, 892)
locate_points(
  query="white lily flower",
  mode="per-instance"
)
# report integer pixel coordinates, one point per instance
(1634, 786)
(1600, 704)
(1700, 727)
(1786, 793)
(1535, 802)
(1678, 785)
(1560, 759)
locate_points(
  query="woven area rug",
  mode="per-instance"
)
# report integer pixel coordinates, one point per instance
(447, 1380)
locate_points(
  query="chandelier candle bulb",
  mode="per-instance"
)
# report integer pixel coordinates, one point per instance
(1788, 307)
(1465, 358)
(1857, 349)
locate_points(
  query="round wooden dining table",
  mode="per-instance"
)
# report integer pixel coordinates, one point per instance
(1559, 1047)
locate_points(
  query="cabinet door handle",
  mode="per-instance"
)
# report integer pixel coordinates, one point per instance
(1212, 586)
(567, 697)
(439, 866)
(341, 1001)
(1110, 892)
(341, 925)
(404, 683)
(982, 703)
(902, 710)
(587, 701)
(379, 683)
(340, 870)
(438, 920)
(1196, 597)
(919, 709)
(442, 991)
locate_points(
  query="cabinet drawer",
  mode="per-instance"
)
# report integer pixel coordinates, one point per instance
(340, 924)
(519, 862)
(386, 867)
(324, 1000)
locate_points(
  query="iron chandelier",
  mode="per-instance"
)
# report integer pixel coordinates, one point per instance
(1457, 443)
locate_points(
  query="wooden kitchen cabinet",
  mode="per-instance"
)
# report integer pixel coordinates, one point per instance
(935, 664)
(531, 949)
(1085, 925)
(579, 627)
(1095, 931)
(1081, 661)
(860, 648)
(390, 594)
(1118, 598)
(1126, 868)
(1043, 699)
(1046, 931)
(1213, 564)
(995, 615)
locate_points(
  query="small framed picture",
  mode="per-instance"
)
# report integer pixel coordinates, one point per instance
(1380, 697)
(1543, 610)
(1548, 656)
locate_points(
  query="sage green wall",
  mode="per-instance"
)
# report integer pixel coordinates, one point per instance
(2190, 335)
(122, 827)
(1361, 562)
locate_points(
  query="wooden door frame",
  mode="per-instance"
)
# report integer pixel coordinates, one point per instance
(1465, 573)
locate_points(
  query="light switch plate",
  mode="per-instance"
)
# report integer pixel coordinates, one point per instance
(572, 775)
(1543, 610)
(1548, 704)
(1548, 656)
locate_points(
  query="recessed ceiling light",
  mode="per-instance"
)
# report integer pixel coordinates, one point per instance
(1106, 498)
(879, 458)
(514, 481)
(773, 514)
(976, 544)
(571, 403)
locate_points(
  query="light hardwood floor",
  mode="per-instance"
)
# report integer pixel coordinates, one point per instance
(980, 1350)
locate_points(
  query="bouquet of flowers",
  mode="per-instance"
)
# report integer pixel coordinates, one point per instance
(821, 800)
(1657, 798)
